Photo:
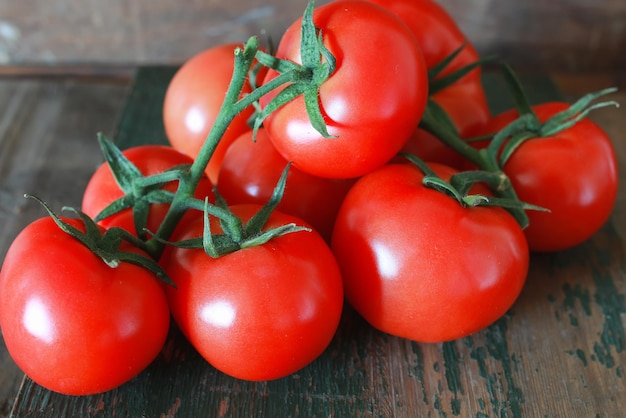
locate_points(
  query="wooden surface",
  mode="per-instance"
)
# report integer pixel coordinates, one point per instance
(560, 352)
(555, 35)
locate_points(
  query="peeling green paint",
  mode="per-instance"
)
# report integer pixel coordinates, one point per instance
(577, 293)
(581, 355)
(452, 372)
(505, 397)
(572, 295)
(438, 407)
(417, 371)
(612, 304)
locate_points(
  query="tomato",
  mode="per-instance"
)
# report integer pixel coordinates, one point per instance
(418, 265)
(262, 312)
(572, 173)
(370, 109)
(251, 169)
(439, 36)
(72, 323)
(102, 188)
(193, 100)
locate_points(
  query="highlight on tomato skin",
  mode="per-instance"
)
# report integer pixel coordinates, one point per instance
(418, 265)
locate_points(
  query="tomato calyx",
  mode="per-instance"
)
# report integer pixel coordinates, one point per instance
(107, 244)
(528, 125)
(237, 235)
(139, 191)
(436, 83)
(318, 64)
(459, 185)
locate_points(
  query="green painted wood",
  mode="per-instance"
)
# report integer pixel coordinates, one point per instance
(559, 352)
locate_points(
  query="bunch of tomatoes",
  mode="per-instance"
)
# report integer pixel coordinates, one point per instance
(357, 163)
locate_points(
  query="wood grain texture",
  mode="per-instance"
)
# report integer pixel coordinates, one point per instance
(48, 148)
(559, 352)
(559, 35)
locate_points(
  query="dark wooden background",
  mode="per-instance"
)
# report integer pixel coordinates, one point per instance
(563, 35)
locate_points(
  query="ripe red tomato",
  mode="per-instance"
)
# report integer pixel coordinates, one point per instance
(262, 312)
(72, 323)
(193, 100)
(102, 189)
(573, 174)
(251, 169)
(418, 265)
(370, 109)
(439, 36)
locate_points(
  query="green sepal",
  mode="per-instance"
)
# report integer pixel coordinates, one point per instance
(528, 125)
(576, 112)
(436, 84)
(139, 191)
(106, 245)
(305, 79)
(236, 235)
(123, 170)
(258, 221)
(522, 102)
(459, 185)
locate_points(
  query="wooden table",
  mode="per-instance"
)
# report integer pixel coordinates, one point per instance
(559, 352)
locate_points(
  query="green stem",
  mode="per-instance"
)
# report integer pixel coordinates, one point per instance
(230, 108)
(437, 122)
(232, 105)
(483, 159)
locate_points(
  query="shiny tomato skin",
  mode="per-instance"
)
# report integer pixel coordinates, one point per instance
(260, 313)
(418, 265)
(574, 174)
(70, 322)
(372, 102)
(193, 100)
(102, 188)
(251, 169)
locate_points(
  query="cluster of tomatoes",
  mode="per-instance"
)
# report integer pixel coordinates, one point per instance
(431, 248)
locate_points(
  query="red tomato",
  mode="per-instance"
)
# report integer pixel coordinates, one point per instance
(250, 171)
(573, 174)
(103, 189)
(193, 100)
(262, 312)
(437, 33)
(439, 36)
(418, 265)
(370, 109)
(72, 323)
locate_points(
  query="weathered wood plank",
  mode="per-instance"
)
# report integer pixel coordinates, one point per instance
(559, 352)
(557, 35)
(48, 148)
